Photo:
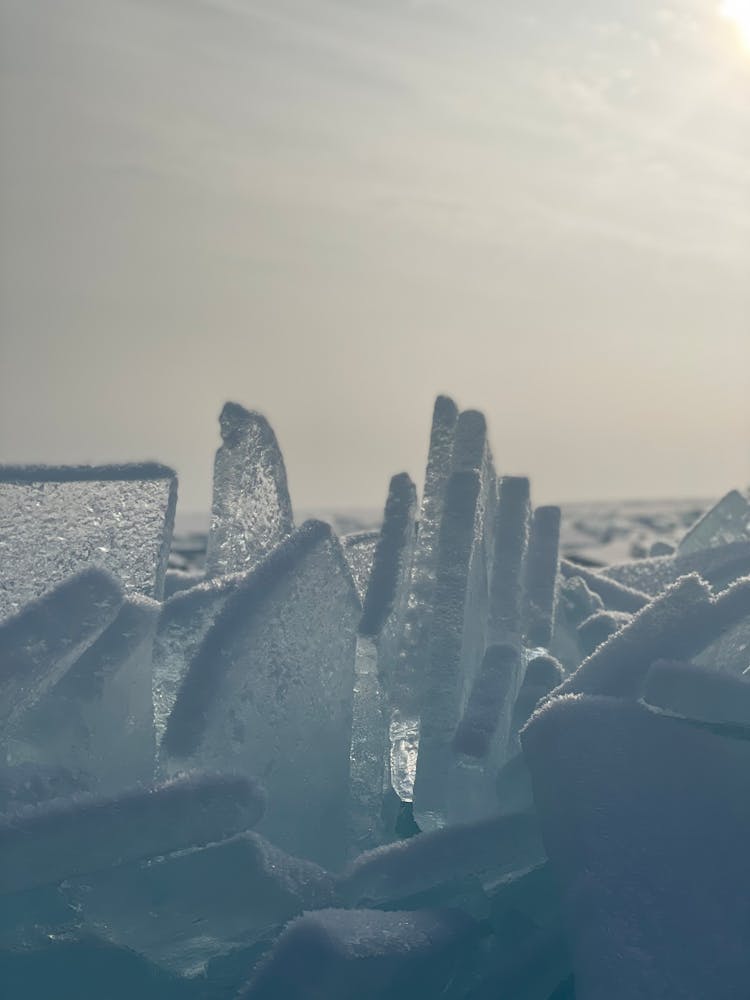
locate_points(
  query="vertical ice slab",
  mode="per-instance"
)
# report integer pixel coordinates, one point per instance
(380, 630)
(55, 521)
(511, 540)
(413, 651)
(339, 954)
(646, 820)
(97, 721)
(727, 521)
(251, 510)
(460, 611)
(540, 577)
(485, 727)
(41, 643)
(270, 691)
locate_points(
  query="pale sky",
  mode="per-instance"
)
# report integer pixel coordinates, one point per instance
(331, 210)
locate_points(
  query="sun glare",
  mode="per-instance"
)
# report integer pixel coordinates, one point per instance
(738, 11)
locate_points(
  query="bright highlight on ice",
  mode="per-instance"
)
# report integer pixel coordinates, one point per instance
(738, 11)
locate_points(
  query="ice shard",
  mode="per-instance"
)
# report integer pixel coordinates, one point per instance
(485, 849)
(540, 577)
(680, 623)
(269, 692)
(97, 721)
(367, 954)
(647, 821)
(184, 909)
(359, 549)
(43, 641)
(380, 629)
(699, 693)
(727, 521)
(491, 701)
(183, 623)
(413, 651)
(485, 725)
(460, 612)
(69, 837)
(251, 510)
(56, 521)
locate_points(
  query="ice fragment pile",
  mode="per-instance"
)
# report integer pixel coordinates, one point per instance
(458, 754)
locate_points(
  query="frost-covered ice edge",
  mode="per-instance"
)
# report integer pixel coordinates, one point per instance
(478, 750)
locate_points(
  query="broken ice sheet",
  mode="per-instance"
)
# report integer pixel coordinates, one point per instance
(55, 521)
(97, 721)
(727, 521)
(681, 622)
(41, 643)
(251, 510)
(485, 851)
(269, 693)
(69, 837)
(185, 908)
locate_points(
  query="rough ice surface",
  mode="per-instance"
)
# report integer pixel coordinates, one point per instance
(485, 756)
(359, 549)
(185, 908)
(68, 837)
(269, 693)
(55, 521)
(727, 521)
(646, 820)
(43, 641)
(719, 566)
(183, 623)
(251, 510)
(614, 596)
(339, 954)
(380, 630)
(680, 623)
(97, 721)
